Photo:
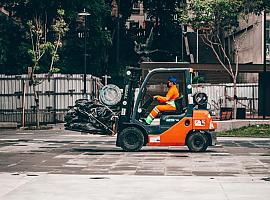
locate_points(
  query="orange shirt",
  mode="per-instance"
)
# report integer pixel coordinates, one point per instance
(172, 94)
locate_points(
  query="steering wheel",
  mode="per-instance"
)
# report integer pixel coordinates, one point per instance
(149, 99)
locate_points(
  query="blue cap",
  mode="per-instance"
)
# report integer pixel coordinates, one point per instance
(172, 79)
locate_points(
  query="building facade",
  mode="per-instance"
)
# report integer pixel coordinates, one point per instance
(251, 38)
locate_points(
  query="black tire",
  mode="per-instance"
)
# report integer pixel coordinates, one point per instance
(197, 142)
(131, 139)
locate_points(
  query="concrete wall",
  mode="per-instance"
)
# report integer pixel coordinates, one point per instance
(251, 45)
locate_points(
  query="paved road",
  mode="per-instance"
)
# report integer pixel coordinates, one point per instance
(67, 152)
(67, 164)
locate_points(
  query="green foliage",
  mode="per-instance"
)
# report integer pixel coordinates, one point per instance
(248, 131)
(198, 79)
(13, 46)
(218, 20)
(219, 16)
(62, 20)
(60, 27)
(41, 44)
(55, 70)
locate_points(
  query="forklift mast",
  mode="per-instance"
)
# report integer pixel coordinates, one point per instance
(132, 79)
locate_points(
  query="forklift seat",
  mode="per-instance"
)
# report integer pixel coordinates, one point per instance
(179, 107)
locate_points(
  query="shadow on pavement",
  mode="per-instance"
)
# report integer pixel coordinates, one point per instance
(104, 150)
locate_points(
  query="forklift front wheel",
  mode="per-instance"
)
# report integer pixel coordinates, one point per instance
(131, 139)
(197, 142)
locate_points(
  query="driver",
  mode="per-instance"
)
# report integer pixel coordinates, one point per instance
(171, 95)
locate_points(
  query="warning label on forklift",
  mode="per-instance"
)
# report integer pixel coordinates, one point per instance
(123, 111)
(155, 139)
(199, 123)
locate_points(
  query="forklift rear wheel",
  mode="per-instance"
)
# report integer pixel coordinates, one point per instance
(197, 142)
(131, 139)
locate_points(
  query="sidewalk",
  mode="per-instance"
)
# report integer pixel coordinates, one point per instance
(82, 187)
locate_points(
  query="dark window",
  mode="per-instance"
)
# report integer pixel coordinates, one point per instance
(268, 31)
(267, 37)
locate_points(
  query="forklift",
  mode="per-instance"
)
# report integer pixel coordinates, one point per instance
(190, 125)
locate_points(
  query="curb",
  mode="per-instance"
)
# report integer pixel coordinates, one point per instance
(8, 125)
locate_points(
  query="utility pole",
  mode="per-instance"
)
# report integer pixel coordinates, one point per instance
(84, 14)
(197, 53)
(118, 33)
(264, 65)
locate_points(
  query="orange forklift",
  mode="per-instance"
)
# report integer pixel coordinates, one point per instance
(189, 125)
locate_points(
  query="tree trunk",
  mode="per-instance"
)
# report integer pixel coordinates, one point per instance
(37, 105)
(234, 99)
(23, 104)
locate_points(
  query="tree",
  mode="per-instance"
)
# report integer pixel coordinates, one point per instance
(166, 32)
(41, 28)
(41, 45)
(13, 46)
(219, 20)
(70, 55)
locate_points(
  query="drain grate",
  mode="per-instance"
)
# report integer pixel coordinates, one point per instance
(32, 175)
(94, 154)
(179, 156)
(266, 179)
(98, 178)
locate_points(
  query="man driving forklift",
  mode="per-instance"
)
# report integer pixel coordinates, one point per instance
(172, 94)
(194, 127)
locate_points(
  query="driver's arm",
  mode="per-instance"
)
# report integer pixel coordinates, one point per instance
(168, 97)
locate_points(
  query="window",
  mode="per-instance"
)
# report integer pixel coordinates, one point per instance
(268, 31)
(136, 8)
(267, 38)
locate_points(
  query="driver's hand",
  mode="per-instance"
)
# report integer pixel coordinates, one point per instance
(155, 97)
